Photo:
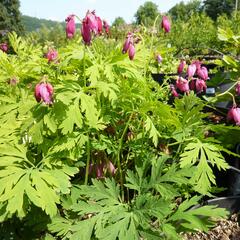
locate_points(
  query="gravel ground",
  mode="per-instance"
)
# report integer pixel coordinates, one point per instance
(225, 230)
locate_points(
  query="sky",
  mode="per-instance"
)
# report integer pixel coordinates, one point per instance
(106, 9)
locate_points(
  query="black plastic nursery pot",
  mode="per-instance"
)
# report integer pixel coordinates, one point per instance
(230, 198)
(230, 203)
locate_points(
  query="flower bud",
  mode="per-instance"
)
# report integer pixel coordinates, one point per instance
(4, 47)
(159, 58)
(191, 70)
(92, 21)
(106, 26)
(182, 84)
(127, 42)
(70, 26)
(86, 32)
(131, 51)
(200, 85)
(44, 92)
(203, 73)
(234, 115)
(100, 25)
(237, 89)
(181, 66)
(166, 24)
(173, 91)
(52, 55)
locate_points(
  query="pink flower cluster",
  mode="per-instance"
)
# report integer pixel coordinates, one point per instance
(91, 25)
(195, 80)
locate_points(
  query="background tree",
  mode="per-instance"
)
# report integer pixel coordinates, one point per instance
(183, 11)
(119, 21)
(10, 16)
(215, 8)
(147, 13)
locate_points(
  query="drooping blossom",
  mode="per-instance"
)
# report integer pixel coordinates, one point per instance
(181, 66)
(99, 169)
(90, 24)
(197, 63)
(166, 24)
(13, 81)
(237, 89)
(203, 73)
(129, 39)
(52, 55)
(173, 91)
(4, 47)
(182, 84)
(131, 51)
(70, 26)
(86, 32)
(44, 92)
(234, 115)
(92, 21)
(106, 26)
(200, 85)
(100, 25)
(159, 58)
(191, 70)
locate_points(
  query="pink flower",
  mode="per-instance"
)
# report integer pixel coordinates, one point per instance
(51, 55)
(4, 47)
(44, 92)
(173, 91)
(86, 32)
(70, 26)
(101, 168)
(111, 168)
(166, 24)
(238, 89)
(191, 70)
(197, 63)
(234, 115)
(159, 58)
(129, 39)
(106, 26)
(181, 66)
(100, 26)
(92, 21)
(131, 51)
(182, 84)
(200, 85)
(203, 73)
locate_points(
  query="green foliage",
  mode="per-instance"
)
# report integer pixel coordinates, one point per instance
(183, 11)
(214, 8)
(109, 155)
(204, 154)
(10, 18)
(33, 24)
(119, 21)
(146, 14)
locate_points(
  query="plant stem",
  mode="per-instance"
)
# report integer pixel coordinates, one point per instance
(151, 47)
(88, 161)
(119, 154)
(84, 66)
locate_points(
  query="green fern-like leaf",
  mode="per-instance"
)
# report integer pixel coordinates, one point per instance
(204, 155)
